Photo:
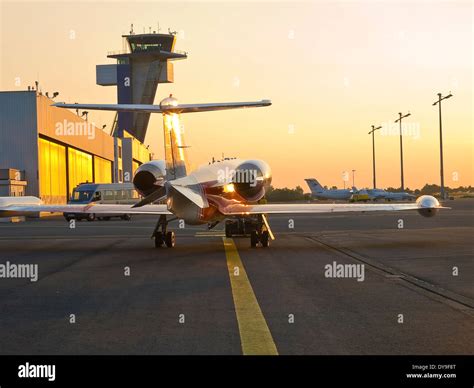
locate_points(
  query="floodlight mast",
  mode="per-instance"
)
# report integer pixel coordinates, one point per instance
(441, 167)
(373, 152)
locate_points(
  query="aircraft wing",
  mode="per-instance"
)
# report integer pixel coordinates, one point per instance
(17, 206)
(425, 203)
(180, 108)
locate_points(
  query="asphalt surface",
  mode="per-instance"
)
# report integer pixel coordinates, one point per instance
(185, 301)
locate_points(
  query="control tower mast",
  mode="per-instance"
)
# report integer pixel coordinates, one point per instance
(146, 63)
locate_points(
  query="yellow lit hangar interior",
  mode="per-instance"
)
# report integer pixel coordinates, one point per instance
(48, 151)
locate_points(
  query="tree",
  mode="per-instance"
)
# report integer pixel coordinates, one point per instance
(286, 195)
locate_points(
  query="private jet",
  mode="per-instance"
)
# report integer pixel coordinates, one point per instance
(226, 189)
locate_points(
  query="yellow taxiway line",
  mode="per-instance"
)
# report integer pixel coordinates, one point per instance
(255, 335)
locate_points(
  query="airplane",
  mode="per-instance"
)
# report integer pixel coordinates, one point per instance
(230, 188)
(376, 194)
(319, 192)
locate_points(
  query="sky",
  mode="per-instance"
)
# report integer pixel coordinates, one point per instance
(332, 69)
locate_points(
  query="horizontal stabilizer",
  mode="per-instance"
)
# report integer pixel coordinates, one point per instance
(179, 108)
(157, 195)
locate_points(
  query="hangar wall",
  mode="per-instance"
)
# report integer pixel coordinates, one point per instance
(18, 135)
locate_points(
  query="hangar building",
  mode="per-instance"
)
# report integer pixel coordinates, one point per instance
(54, 149)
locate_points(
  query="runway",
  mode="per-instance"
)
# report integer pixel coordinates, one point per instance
(213, 295)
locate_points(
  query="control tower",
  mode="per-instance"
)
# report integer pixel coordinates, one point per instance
(145, 63)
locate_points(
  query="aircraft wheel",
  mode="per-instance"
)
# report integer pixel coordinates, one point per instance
(265, 240)
(253, 239)
(90, 217)
(170, 239)
(158, 240)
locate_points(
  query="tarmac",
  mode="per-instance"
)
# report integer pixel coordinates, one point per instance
(103, 288)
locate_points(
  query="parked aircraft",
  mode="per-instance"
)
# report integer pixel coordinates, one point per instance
(208, 195)
(319, 192)
(376, 194)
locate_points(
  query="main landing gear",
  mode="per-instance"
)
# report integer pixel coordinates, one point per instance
(262, 233)
(255, 225)
(263, 238)
(161, 235)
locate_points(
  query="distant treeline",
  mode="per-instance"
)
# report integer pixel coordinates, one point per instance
(286, 194)
(435, 189)
(297, 194)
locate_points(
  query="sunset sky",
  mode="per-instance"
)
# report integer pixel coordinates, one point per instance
(332, 69)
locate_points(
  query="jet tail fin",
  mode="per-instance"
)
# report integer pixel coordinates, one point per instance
(314, 186)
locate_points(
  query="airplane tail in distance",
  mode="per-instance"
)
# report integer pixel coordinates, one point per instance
(314, 186)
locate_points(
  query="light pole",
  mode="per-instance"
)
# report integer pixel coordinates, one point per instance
(399, 120)
(345, 177)
(373, 152)
(441, 98)
(353, 178)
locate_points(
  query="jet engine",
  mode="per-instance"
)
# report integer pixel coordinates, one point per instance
(251, 178)
(149, 177)
(427, 205)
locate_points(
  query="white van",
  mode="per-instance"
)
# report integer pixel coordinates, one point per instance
(106, 193)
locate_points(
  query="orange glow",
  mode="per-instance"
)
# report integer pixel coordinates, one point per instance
(331, 69)
(229, 188)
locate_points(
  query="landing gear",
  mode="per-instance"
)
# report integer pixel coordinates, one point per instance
(161, 235)
(240, 226)
(265, 239)
(170, 239)
(262, 233)
(254, 239)
(158, 240)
